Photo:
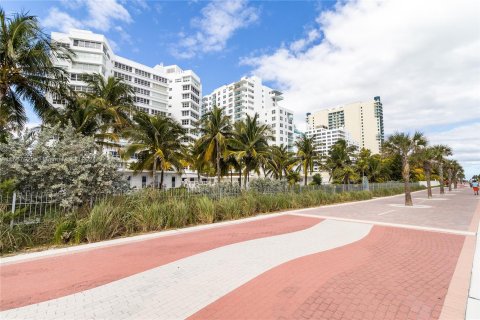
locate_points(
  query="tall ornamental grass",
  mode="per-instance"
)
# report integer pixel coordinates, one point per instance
(150, 210)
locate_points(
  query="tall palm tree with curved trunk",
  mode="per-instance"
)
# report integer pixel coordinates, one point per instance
(249, 144)
(215, 129)
(27, 73)
(157, 141)
(406, 146)
(306, 154)
(440, 153)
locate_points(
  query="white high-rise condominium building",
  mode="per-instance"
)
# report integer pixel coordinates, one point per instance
(166, 90)
(325, 138)
(250, 96)
(362, 120)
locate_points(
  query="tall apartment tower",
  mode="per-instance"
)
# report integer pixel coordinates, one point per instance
(165, 90)
(250, 96)
(363, 121)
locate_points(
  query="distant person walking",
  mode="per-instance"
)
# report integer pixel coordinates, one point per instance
(475, 187)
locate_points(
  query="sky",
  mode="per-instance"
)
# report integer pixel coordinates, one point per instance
(421, 57)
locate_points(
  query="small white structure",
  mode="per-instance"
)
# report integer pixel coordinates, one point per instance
(171, 179)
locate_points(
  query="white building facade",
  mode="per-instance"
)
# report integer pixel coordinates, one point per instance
(249, 96)
(362, 120)
(161, 90)
(166, 90)
(325, 138)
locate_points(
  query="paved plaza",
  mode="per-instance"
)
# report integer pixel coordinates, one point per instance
(373, 259)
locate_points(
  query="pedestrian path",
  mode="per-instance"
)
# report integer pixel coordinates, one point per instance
(363, 260)
(200, 279)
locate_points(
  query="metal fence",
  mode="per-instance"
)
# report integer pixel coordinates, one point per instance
(31, 207)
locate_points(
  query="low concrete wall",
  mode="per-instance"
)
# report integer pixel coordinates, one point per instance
(433, 183)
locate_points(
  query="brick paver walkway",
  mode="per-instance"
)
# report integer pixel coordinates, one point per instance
(40, 280)
(392, 274)
(365, 260)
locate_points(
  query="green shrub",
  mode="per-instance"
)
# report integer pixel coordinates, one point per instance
(13, 239)
(204, 210)
(228, 208)
(150, 216)
(80, 234)
(106, 220)
(64, 231)
(177, 214)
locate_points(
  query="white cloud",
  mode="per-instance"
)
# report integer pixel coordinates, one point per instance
(61, 20)
(101, 15)
(218, 22)
(464, 142)
(421, 57)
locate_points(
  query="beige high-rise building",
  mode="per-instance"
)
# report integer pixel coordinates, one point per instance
(362, 120)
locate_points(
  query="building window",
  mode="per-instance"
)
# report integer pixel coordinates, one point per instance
(160, 79)
(122, 76)
(85, 66)
(185, 122)
(122, 66)
(87, 44)
(142, 82)
(142, 73)
(141, 100)
(142, 91)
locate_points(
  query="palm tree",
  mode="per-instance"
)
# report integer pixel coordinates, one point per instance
(440, 152)
(363, 161)
(215, 129)
(405, 145)
(113, 99)
(81, 115)
(280, 161)
(249, 144)
(339, 161)
(27, 72)
(459, 173)
(157, 141)
(307, 155)
(453, 168)
(193, 158)
(425, 158)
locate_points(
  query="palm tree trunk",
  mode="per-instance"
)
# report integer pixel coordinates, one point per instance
(161, 179)
(240, 176)
(231, 176)
(455, 182)
(449, 172)
(406, 181)
(429, 187)
(305, 171)
(440, 173)
(218, 161)
(154, 172)
(245, 178)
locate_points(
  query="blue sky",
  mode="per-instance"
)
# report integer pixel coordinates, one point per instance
(421, 57)
(155, 29)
